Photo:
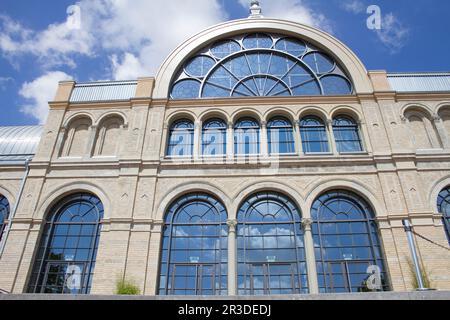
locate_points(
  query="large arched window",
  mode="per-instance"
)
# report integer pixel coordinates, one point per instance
(444, 208)
(280, 136)
(271, 254)
(214, 138)
(4, 214)
(314, 135)
(181, 139)
(346, 135)
(67, 250)
(260, 65)
(246, 137)
(347, 243)
(194, 247)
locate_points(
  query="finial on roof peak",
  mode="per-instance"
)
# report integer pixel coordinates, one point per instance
(255, 10)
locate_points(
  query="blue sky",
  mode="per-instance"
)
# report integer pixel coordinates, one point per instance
(124, 39)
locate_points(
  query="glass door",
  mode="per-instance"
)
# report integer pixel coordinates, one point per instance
(273, 278)
(193, 279)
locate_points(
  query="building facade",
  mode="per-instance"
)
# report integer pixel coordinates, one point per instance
(262, 159)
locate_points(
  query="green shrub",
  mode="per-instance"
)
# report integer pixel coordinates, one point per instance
(425, 276)
(127, 287)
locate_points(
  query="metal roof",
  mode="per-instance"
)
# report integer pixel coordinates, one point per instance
(103, 91)
(19, 143)
(420, 82)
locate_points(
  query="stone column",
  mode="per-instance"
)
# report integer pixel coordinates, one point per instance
(232, 261)
(297, 139)
(264, 148)
(91, 142)
(310, 256)
(331, 137)
(154, 256)
(230, 141)
(441, 133)
(197, 140)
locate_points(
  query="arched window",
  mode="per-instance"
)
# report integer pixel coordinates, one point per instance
(271, 254)
(108, 136)
(346, 135)
(181, 139)
(259, 65)
(346, 242)
(246, 137)
(67, 251)
(4, 214)
(444, 208)
(77, 135)
(314, 135)
(194, 247)
(419, 132)
(280, 136)
(214, 138)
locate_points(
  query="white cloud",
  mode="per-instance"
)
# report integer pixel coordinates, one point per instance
(393, 33)
(4, 81)
(353, 6)
(294, 10)
(147, 30)
(39, 92)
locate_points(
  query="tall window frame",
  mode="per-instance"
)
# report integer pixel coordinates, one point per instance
(247, 137)
(443, 204)
(181, 139)
(66, 257)
(347, 134)
(270, 246)
(214, 138)
(4, 214)
(280, 136)
(194, 222)
(314, 135)
(347, 242)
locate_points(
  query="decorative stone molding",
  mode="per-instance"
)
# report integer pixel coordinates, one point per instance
(307, 223)
(232, 224)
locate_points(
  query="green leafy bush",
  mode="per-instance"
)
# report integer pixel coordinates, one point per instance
(425, 276)
(127, 287)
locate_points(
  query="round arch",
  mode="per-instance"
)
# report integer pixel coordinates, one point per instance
(279, 112)
(59, 193)
(321, 187)
(191, 187)
(76, 116)
(313, 111)
(247, 112)
(347, 111)
(343, 55)
(249, 189)
(434, 191)
(112, 114)
(214, 114)
(417, 107)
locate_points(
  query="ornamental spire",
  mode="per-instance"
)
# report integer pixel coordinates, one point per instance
(255, 10)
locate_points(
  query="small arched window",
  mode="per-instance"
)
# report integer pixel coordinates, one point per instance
(246, 137)
(214, 138)
(280, 136)
(108, 136)
(347, 135)
(314, 135)
(270, 246)
(181, 139)
(444, 208)
(4, 214)
(77, 137)
(68, 247)
(194, 247)
(347, 243)
(419, 132)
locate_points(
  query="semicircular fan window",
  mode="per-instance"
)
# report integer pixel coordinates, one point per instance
(261, 65)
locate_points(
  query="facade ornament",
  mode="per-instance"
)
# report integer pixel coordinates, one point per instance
(436, 118)
(255, 10)
(307, 223)
(232, 224)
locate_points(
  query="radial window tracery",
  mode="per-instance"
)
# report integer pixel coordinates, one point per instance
(260, 65)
